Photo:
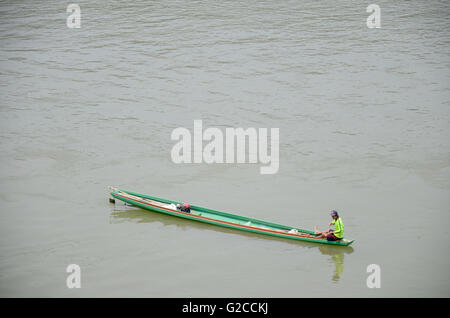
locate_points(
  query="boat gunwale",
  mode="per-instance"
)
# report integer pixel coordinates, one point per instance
(235, 216)
(225, 223)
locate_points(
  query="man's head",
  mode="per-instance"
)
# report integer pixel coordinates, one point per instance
(334, 214)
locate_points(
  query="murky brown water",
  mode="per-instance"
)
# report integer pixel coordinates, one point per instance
(364, 129)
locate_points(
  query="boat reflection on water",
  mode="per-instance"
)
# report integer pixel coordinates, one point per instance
(128, 213)
(337, 257)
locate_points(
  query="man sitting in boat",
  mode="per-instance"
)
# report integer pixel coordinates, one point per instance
(185, 207)
(337, 234)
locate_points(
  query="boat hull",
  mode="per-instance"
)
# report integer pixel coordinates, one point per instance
(222, 219)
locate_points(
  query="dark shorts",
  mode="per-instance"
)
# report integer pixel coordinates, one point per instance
(332, 237)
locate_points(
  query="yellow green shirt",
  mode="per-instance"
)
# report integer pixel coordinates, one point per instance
(338, 228)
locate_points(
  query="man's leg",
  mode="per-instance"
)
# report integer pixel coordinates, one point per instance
(322, 234)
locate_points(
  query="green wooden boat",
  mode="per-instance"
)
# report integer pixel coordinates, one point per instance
(223, 219)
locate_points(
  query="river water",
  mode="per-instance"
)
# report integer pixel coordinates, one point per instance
(364, 129)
